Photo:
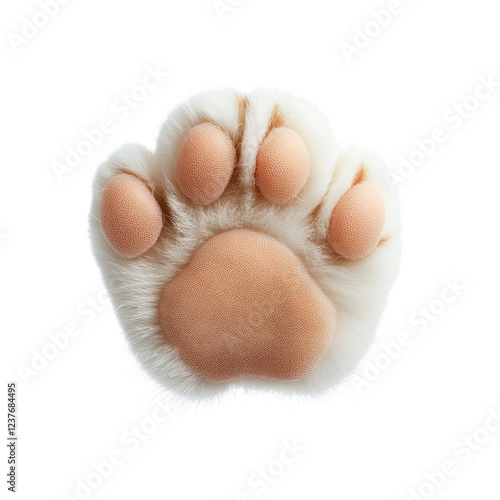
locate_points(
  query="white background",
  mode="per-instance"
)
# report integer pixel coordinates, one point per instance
(375, 443)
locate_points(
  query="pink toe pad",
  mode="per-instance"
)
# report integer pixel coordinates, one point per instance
(282, 165)
(357, 221)
(130, 215)
(205, 163)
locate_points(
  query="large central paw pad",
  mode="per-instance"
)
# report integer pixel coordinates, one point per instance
(247, 245)
(245, 305)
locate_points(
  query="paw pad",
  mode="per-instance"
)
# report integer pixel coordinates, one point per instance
(245, 305)
(130, 216)
(282, 165)
(205, 163)
(357, 221)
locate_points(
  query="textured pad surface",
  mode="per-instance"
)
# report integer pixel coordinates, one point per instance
(357, 221)
(282, 165)
(205, 163)
(131, 218)
(245, 305)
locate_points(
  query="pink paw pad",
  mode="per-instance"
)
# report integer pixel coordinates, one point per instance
(283, 165)
(205, 163)
(131, 218)
(357, 221)
(245, 306)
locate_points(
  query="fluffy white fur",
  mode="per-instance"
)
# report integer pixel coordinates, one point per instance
(358, 289)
